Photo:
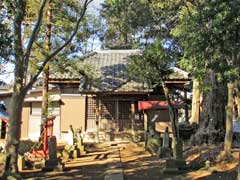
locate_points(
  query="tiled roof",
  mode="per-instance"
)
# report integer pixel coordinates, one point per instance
(109, 71)
(179, 74)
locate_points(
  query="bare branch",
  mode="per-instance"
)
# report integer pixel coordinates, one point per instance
(54, 53)
(89, 1)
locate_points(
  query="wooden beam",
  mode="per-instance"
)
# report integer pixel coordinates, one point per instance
(145, 119)
(133, 117)
(185, 106)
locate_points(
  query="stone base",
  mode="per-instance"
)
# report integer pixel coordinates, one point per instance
(174, 166)
(175, 163)
(170, 171)
(50, 165)
(73, 151)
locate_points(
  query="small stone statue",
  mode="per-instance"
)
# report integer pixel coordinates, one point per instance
(70, 139)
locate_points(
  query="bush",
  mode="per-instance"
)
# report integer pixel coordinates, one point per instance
(154, 143)
(25, 146)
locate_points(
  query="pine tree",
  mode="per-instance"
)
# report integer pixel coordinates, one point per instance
(23, 60)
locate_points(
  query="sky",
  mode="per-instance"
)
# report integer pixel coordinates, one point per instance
(7, 77)
(96, 3)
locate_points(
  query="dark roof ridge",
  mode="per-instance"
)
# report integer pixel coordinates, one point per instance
(118, 51)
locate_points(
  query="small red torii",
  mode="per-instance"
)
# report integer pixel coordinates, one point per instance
(47, 133)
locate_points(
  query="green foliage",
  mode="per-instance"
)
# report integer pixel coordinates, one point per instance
(5, 34)
(25, 146)
(153, 65)
(155, 141)
(51, 106)
(209, 34)
(2, 158)
(63, 21)
(125, 20)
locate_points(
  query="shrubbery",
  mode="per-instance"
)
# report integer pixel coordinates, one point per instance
(25, 146)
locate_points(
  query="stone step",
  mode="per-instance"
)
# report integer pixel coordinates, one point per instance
(116, 176)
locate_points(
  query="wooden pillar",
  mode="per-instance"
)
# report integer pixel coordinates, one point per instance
(117, 115)
(177, 114)
(185, 106)
(97, 118)
(133, 117)
(145, 119)
(1, 129)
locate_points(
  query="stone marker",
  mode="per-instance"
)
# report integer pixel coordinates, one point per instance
(174, 166)
(166, 139)
(52, 162)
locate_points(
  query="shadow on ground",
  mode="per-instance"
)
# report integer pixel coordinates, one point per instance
(86, 172)
(226, 175)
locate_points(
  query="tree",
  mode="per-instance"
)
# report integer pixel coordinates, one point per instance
(153, 66)
(207, 34)
(22, 61)
(59, 19)
(213, 29)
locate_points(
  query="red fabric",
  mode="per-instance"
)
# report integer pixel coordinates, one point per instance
(146, 105)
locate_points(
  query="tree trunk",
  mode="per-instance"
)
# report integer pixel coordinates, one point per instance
(45, 79)
(45, 93)
(212, 114)
(14, 131)
(238, 105)
(46, 70)
(20, 88)
(237, 99)
(15, 109)
(215, 101)
(177, 143)
(195, 102)
(229, 123)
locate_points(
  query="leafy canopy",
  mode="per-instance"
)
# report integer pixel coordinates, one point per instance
(153, 65)
(5, 34)
(125, 20)
(208, 32)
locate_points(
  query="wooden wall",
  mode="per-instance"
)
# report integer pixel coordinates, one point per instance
(73, 108)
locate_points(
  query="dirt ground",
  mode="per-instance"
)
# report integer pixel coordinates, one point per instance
(137, 165)
(89, 167)
(140, 165)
